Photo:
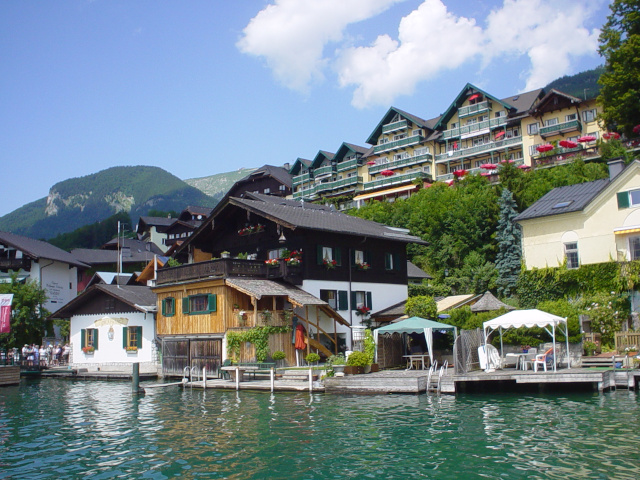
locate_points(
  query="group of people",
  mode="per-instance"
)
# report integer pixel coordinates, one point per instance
(40, 355)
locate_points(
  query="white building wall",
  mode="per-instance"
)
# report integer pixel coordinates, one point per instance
(383, 295)
(110, 355)
(58, 280)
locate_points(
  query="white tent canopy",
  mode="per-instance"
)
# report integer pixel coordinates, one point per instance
(529, 318)
(415, 325)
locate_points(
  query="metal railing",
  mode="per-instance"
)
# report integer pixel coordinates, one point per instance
(487, 147)
(405, 162)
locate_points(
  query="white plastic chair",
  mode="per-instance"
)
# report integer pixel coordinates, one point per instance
(541, 359)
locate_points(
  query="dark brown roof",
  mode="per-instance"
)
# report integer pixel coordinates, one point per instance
(415, 272)
(294, 214)
(140, 298)
(37, 249)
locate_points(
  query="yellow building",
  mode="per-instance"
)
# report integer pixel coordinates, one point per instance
(587, 223)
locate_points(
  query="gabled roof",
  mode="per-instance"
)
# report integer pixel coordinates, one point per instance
(134, 245)
(345, 148)
(548, 104)
(37, 249)
(109, 278)
(373, 138)
(138, 297)
(572, 198)
(281, 174)
(161, 222)
(321, 157)
(468, 90)
(298, 164)
(294, 214)
(91, 256)
(195, 210)
(523, 102)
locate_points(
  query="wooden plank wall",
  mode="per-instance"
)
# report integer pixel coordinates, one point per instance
(9, 375)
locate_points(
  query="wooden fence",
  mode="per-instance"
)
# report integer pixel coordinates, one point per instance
(629, 340)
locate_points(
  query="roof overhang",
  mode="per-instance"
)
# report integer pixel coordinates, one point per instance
(389, 191)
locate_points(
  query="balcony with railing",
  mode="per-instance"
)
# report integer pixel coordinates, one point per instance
(558, 128)
(478, 149)
(338, 184)
(304, 177)
(474, 127)
(397, 144)
(405, 162)
(322, 171)
(474, 109)
(306, 193)
(477, 170)
(226, 267)
(392, 127)
(395, 180)
(348, 165)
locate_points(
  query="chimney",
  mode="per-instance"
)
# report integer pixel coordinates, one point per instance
(616, 165)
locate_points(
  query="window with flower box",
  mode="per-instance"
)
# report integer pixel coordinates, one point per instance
(332, 255)
(361, 299)
(89, 339)
(132, 338)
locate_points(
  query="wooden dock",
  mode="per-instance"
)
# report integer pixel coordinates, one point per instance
(9, 375)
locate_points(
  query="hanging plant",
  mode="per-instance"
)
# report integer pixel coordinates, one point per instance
(258, 336)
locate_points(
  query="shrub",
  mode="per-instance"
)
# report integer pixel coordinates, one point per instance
(358, 359)
(278, 355)
(312, 358)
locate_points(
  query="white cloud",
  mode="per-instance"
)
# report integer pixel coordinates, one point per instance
(431, 39)
(291, 35)
(550, 34)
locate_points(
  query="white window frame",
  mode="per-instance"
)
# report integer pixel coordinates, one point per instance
(571, 255)
(634, 250)
(533, 128)
(571, 117)
(589, 115)
(550, 122)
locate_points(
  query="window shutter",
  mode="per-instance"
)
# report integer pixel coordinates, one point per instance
(387, 261)
(125, 337)
(369, 302)
(354, 304)
(319, 255)
(139, 337)
(185, 305)
(343, 300)
(95, 338)
(213, 302)
(623, 200)
(83, 338)
(164, 307)
(337, 256)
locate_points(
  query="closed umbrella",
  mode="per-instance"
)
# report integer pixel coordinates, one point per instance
(300, 342)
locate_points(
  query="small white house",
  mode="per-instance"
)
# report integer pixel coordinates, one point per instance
(112, 327)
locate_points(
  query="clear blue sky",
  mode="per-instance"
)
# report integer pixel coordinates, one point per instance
(200, 87)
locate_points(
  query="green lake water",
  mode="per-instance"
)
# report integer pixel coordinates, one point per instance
(64, 429)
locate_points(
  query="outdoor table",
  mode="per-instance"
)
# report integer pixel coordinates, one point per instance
(232, 370)
(416, 358)
(522, 359)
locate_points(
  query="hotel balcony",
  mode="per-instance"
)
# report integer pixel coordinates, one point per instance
(307, 193)
(305, 177)
(392, 127)
(450, 176)
(395, 180)
(474, 127)
(338, 184)
(560, 128)
(348, 165)
(405, 162)
(324, 171)
(478, 149)
(398, 144)
(474, 109)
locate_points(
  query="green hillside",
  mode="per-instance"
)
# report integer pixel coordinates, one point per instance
(583, 85)
(216, 186)
(85, 200)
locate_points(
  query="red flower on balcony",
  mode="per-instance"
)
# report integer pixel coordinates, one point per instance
(362, 311)
(272, 262)
(636, 129)
(329, 264)
(460, 173)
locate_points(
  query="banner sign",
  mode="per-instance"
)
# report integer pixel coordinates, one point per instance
(5, 312)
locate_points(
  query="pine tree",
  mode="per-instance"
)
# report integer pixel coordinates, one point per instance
(509, 238)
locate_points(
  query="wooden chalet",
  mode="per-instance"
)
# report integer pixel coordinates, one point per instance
(263, 260)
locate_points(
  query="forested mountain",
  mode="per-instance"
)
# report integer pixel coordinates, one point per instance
(216, 186)
(583, 85)
(94, 235)
(85, 200)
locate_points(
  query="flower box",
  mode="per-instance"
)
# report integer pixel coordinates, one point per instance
(88, 350)
(329, 264)
(132, 349)
(272, 262)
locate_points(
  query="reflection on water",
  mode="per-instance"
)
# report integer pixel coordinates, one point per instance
(64, 429)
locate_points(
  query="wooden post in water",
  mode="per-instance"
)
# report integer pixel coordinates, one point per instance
(135, 377)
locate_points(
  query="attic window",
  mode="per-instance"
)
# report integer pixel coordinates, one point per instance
(516, 98)
(562, 204)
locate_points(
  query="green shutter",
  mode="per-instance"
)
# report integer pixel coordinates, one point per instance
(139, 337)
(368, 300)
(125, 337)
(337, 256)
(164, 307)
(387, 261)
(83, 338)
(185, 305)
(354, 305)
(343, 300)
(213, 302)
(319, 255)
(95, 338)
(623, 200)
